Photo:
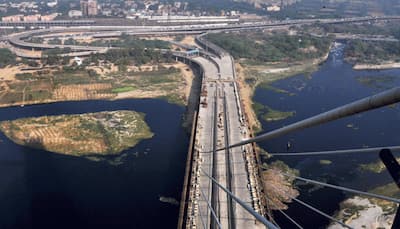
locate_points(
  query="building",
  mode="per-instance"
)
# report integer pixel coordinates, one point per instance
(52, 4)
(30, 18)
(89, 7)
(13, 18)
(75, 13)
(85, 7)
(49, 17)
(274, 8)
(92, 8)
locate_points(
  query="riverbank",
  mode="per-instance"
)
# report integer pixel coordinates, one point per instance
(376, 66)
(253, 76)
(358, 211)
(172, 82)
(102, 133)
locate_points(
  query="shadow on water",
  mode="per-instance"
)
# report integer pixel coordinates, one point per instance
(39, 189)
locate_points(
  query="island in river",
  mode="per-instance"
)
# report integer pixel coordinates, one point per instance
(102, 133)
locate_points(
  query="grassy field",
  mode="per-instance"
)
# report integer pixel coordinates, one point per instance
(260, 47)
(79, 83)
(103, 133)
(372, 52)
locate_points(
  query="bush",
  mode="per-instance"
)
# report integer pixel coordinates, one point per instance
(6, 57)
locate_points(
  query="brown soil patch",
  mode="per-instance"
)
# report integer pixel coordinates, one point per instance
(278, 189)
(188, 40)
(187, 75)
(83, 92)
(246, 95)
(8, 73)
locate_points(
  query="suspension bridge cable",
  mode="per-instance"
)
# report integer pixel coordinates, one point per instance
(394, 200)
(211, 209)
(364, 150)
(286, 215)
(369, 103)
(259, 217)
(321, 213)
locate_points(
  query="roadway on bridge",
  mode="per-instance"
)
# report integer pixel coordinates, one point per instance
(220, 121)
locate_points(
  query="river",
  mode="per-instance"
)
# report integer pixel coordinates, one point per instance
(334, 84)
(39, 189)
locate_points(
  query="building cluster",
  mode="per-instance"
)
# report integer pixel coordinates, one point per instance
(21, 7)
(133, 9)
(89, 7)
(29, 18)
(28, 11)
(270, 5)
(156, 8)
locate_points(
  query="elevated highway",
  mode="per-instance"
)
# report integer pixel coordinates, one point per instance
(98, 31)
(220, 121)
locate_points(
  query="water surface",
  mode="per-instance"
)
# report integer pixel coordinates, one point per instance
(333, 85)
(39, 189)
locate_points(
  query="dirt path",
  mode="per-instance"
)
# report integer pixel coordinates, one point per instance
(246, 95)
(8, 73)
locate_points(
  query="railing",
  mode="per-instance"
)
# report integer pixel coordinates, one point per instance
(373, 102)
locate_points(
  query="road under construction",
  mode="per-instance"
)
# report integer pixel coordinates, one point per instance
(221, 121)
(223, 164)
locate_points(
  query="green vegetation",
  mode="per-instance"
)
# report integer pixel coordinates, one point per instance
(103, 133)
(260, 47)
(374, 167)
(275, 115)
(52, 56)
(129, 42)
(391, 190)
(165, 83)
(337, 9)
(350, 210)
(269, 114)
(268, 86)
(372, 52)
(131, 56)
(84, 82)
(37, 40)
(387, 190)
(383, 82)
(55, 41)
(387, 29)
(6, 57)
(280, 165)
(325, 162)
(123, 89)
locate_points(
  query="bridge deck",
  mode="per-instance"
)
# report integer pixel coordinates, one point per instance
(219, 101)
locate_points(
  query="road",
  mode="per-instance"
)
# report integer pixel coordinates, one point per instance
(99, 31)
(220, 121)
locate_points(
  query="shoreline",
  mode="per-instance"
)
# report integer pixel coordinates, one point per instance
(364, 211)
(98, 133)
(274, 74)
(187, 79)
(359, 66)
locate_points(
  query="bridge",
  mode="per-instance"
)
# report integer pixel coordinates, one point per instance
(18, 40)
(4, 24)
(223, 189)
(220, 120)
(222, 186)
